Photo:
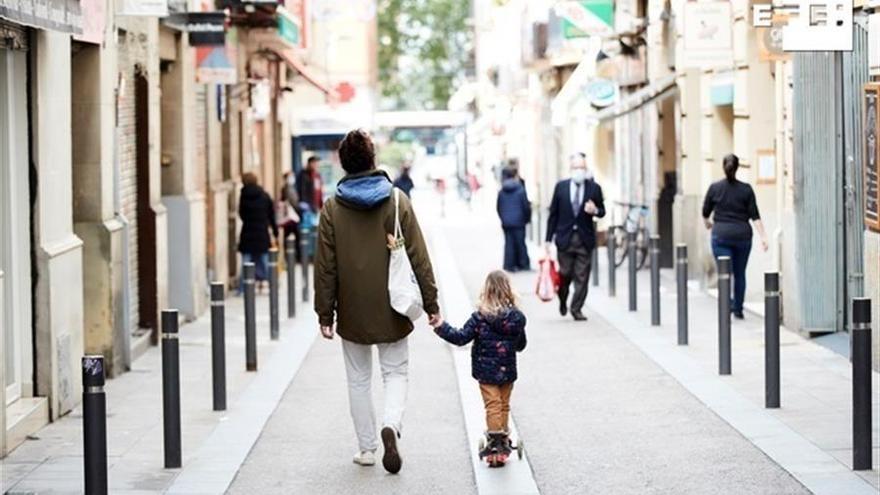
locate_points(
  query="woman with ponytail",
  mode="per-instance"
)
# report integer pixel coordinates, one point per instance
(732, 204)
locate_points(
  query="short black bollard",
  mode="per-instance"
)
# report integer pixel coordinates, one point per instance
(861, 383)
(724, 315)
(273, 294)
(771, 340)
(594, 265)
(171, 389)
(611, 247)
(304, 255)
(94, 425)
(633, 303)
(250, 318)
(290, 251)
(681, 275)
(654, 251)
(218, 344)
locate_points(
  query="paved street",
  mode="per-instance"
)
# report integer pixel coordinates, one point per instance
(599, 408)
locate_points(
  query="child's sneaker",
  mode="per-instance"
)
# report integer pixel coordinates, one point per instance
(499, 449)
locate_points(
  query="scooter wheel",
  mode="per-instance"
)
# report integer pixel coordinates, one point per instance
(519, 449)
(481, 445)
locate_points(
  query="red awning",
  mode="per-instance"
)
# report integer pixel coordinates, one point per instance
(296, 64)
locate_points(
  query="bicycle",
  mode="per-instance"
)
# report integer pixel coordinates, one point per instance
(635, 220)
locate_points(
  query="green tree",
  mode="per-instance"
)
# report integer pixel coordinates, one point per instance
(424, 50)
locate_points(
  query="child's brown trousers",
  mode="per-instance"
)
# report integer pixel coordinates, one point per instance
(497, 401)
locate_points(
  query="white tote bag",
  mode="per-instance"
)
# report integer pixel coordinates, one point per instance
(403, 288)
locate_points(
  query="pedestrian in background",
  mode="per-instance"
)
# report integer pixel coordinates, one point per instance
(515, 213)
(498, 331)
(731, 204)
(576, 202)
(351, 291)
(404, 181)
(309, 187)
(286, 213)
(258, 226)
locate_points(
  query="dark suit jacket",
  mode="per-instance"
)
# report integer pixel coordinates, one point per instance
(563, 222)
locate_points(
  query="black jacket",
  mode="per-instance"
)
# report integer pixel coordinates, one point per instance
(513, 205)
(257, 216)
(496, 339)
(563, 222)
(305, 188)
(405, 183)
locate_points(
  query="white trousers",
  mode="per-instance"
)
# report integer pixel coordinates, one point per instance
(393, 360)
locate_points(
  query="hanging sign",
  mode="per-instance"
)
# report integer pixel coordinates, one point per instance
(64, 16)
(151, 8)
(204, 28)
(872, 156)
(93, 22)
(581, 18)
(216, 64)
(708, 35)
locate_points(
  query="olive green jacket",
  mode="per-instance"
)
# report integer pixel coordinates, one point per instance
(351, 261)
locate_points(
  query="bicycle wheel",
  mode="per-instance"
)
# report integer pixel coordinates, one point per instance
(642, 249)
(621, 246)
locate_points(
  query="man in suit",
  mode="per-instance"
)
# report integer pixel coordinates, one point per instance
(576, 202)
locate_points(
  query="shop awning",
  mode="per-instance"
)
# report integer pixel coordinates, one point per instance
(653, 92)
(294, 62)
(57, 15)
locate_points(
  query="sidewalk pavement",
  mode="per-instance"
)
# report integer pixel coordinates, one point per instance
(816, 386)
(596, 414)
(52, 461)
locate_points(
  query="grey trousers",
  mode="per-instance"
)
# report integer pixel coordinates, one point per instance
(575, 263)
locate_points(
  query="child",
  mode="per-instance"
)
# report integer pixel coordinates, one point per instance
(498, 330)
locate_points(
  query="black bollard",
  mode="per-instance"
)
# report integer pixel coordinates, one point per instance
(654, 251)
(171, 389)
(290, 251)
(304, 254)
(771, 340)
(631, 254)
(724, 315)
(94, 409)
(861, 383)
(250, 315)
(681, 275)
(273, 294)
(218, 344)
(612, 276)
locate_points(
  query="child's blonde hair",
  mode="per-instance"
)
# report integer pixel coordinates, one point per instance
(497, 294)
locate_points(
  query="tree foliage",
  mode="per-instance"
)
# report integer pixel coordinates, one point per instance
(424, 51)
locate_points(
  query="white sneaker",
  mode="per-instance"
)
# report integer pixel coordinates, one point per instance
(365, 458)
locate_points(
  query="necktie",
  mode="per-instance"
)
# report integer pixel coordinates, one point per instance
(576, 201)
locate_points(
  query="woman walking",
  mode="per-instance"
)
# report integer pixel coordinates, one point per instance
(257, 219)
(733, 204)
(351, 291)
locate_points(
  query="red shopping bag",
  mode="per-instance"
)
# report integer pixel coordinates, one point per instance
(548, 279)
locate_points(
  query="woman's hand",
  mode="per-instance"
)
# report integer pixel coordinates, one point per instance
(764, 245)
(707, 223)
(435, 320)
(327, 331)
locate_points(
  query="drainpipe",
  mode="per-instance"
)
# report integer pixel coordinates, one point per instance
(780, 162)
(117, 213)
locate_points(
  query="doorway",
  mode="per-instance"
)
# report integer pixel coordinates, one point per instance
(15, 247)
(148, 307)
